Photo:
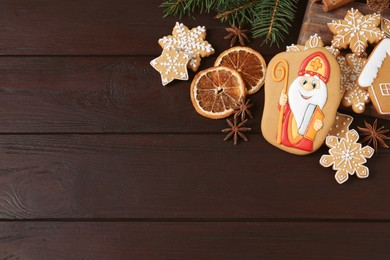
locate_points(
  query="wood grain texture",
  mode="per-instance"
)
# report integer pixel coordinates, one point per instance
(178, 176)
(101, 240)
(99, 161)
(97, 94)
(117, 27)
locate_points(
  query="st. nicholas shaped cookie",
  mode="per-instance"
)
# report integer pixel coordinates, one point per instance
(302, 94)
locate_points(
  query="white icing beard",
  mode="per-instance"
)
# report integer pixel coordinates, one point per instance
(298, 104)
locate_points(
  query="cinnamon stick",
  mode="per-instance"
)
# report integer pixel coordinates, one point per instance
(329, 5)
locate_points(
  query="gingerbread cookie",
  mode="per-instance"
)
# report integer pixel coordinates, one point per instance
(347, 156)
(301, 99)
(376, 77)
(171, 65)
(189, 41)
(345, 74)
(341, 125)
(354, 96)
(356, 31)
(385, 27)
(314, 41)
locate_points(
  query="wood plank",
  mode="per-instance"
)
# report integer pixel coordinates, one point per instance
(97, 94)
(116, 27)
(178, 176)
(118, 240)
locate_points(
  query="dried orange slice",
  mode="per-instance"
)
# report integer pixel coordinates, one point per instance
(216, 91)
(248, 62)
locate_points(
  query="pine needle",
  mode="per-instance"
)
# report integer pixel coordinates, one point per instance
(270, 19)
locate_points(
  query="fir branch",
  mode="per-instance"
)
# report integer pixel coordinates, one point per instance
(273, 20)
(235, 12)
(228, 12)
(183, 8)
(270, 19)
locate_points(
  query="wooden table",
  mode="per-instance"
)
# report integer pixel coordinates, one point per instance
(99, 161)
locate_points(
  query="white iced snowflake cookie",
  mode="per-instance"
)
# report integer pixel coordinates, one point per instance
(189, 41)
(356, 31)
(347, 156)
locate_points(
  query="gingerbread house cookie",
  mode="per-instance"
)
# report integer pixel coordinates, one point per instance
(376, 77)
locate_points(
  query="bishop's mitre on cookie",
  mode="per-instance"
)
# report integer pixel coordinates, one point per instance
(302, 94)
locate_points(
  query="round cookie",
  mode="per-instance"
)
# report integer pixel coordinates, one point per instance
(302, 94)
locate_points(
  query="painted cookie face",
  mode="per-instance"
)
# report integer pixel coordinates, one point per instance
(302, 94)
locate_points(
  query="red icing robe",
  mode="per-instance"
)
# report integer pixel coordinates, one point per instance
(299, 142)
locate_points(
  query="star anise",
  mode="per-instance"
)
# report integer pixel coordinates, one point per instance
(242, 108)
(378, 6)
(374, 135)
(236, 130)
(237, 33)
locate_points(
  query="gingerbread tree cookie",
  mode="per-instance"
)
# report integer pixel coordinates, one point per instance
(347, 156)
(356, 31)
(171, 65)
(354, 96)
(189, 41)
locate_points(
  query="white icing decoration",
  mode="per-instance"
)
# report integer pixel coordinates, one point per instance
(188, 40)
(375, 61)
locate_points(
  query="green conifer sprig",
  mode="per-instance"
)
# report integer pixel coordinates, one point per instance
(270, 19)
(273, 20)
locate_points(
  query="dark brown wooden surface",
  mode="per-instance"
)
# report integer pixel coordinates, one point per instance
(194, 240)
(99, 161)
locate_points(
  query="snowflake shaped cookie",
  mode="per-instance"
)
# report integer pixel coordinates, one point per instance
(347, 156)
(188, 41)
(171, 65)
(356, 31)
(354, 96)
(341, 125)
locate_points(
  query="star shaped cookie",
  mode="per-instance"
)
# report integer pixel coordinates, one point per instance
(171, 65)
(189, 41)
(341, 125)
(356, 31)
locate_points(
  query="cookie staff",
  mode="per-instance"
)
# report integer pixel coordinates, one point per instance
(284, 76)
